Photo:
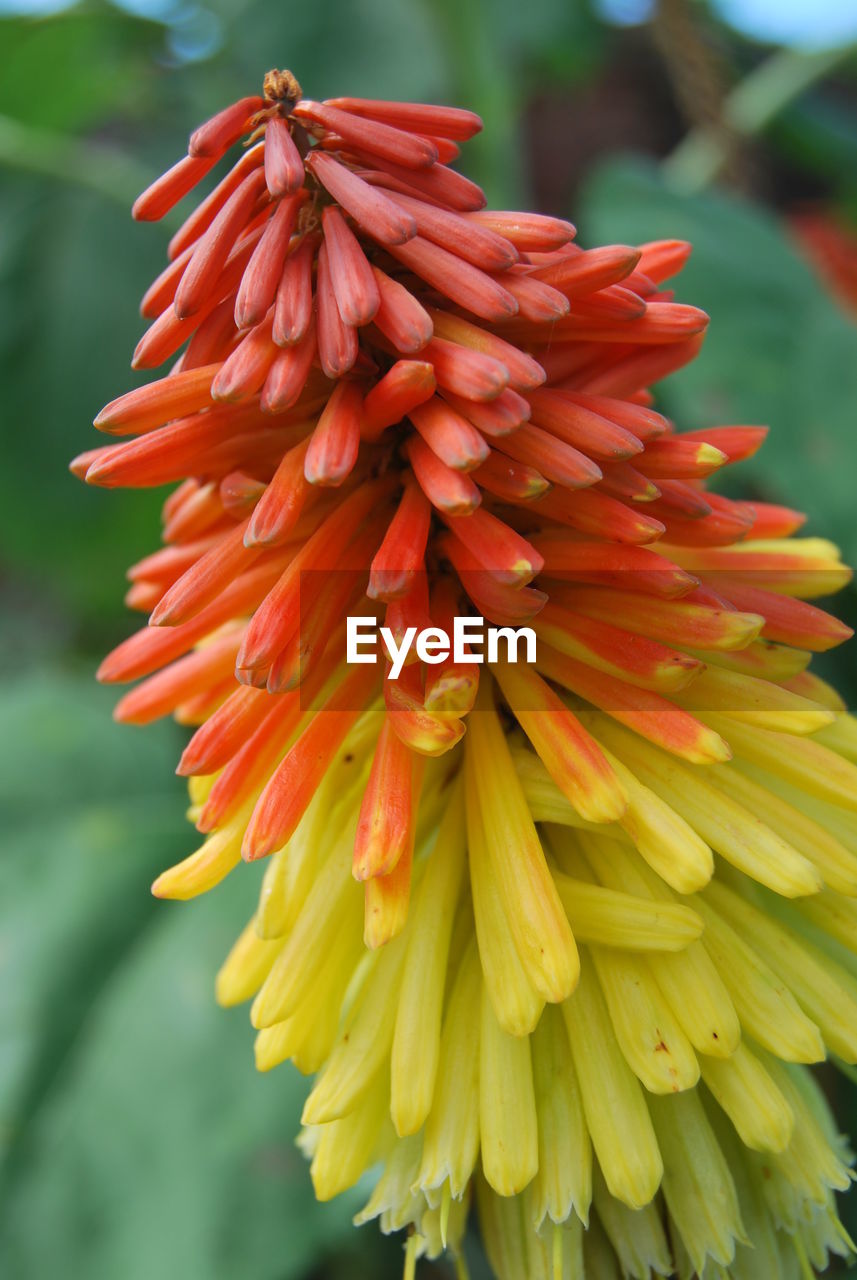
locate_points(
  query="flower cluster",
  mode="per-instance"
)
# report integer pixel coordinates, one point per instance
(560, 937)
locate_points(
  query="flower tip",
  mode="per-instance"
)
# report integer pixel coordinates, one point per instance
(710, 456)
(260, 1018)
(310, 1111)
(184, 310)
(222, 993)
(187, 765)
(254, 674)
(717, 750)
(108, 672)
(128, 710)
(256, 844)
(82, 465)
(160, 886)
(163, 615)
(805, 883)
(405, 229)
(99, 474)
(264, 1059)
(411, 231)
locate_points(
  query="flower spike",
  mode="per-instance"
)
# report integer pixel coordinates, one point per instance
(520, 908)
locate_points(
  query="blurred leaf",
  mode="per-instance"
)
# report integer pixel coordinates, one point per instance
(817, 132)
(138, 1140)
(779, 349)
(373, 49)
(550, 35)
(89, 814)
(68, 291)
(66, 71)
(59, 743)
(500, 53)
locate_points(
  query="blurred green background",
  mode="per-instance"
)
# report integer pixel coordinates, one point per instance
(136, 1139)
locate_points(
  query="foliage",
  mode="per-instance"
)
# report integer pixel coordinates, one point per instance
(137, 1139)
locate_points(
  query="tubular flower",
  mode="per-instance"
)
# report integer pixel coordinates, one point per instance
(556, 937)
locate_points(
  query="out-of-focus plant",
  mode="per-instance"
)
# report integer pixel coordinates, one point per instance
(90, 1101)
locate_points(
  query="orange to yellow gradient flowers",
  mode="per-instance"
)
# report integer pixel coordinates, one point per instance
(554, 939)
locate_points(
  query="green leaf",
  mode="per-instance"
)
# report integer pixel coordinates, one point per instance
(68, 70)
(137, 1138)
(70, 278)
(89, 813)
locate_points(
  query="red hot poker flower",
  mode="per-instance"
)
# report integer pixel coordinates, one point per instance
(388, 401)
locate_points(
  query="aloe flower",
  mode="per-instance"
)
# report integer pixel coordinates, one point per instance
(557, 939)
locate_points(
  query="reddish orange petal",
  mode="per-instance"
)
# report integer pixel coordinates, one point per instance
(382, 140)
(333, 446)
(400, 318)
(354, 285)
(224, 732)
(371, 209)
(264, 270)
(493, 418)
(556, 460)
(478, 245)
(215, 244)
(500, 549)
(402, 552)
(591, 432)
(586, 271)
(202, 217)
(438, 183)
(527, 231)
(194, 674)
(456, 279)
(293, 309)
(455, 441)
(218, 134)
(571, 756)
(205, 580)
(597, 514)
(337, 341)
(384, 828)
(294, 782)
(284, 168)
(288, 372)
(172, 186)
(243, 372)
(405, 385)
(524, 372)
(620, 653)
(509, 480)
(447, 490)
(647, 713)
(158, 402)
(416, 117)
